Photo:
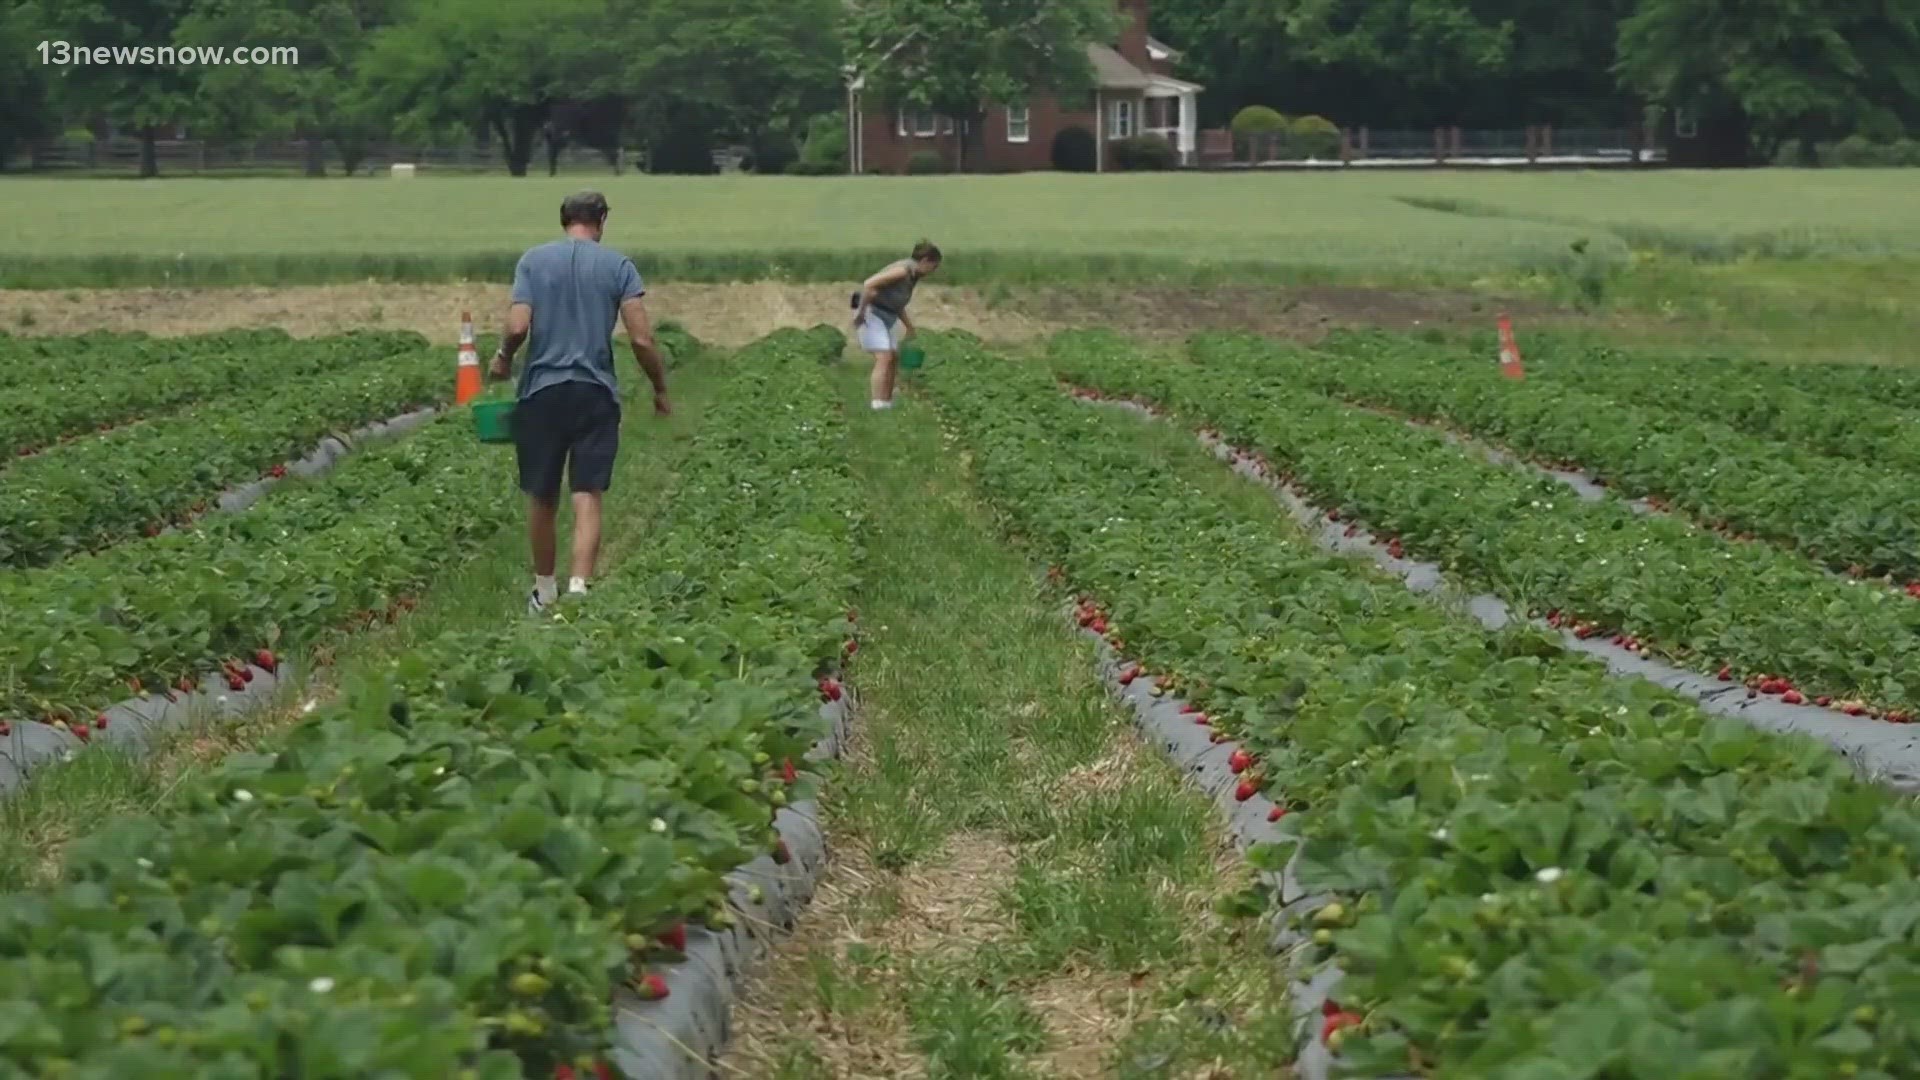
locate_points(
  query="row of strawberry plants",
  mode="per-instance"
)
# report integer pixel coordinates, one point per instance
(83, 495)
(450, 871)
(68, 360)
(1763, 403)
(1684, 593)
(222, 367)
(1845, 514)
(1541, 870)
(344, 549)
(156, 613)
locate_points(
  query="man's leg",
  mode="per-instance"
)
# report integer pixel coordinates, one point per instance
(541, 449)
(590, 473)
(586, 539)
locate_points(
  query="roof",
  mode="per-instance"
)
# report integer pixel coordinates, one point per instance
(1111, 71)
(1168, 82)
(1160, 50)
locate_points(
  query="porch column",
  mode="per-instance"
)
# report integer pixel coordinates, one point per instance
(1099, 132)
(1189, 123)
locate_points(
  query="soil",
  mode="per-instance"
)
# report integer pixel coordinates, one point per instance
(734, 314)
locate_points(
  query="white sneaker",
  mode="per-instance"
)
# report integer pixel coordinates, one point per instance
(577, 587)
(535, 605)
(878, 405)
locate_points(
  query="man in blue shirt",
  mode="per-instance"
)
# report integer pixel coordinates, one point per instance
(567, 295)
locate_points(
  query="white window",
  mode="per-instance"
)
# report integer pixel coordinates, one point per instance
(924, 124)
(1018, 120)
(1120, 120)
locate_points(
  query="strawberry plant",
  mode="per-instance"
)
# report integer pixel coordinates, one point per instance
(1531, 857)
(131, 481)
(1838, 512)
(1689, 595)
(448, 870)
(150, 378)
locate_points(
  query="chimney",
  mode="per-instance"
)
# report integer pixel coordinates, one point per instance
(1133, 34)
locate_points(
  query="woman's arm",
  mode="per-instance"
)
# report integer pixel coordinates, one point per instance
(871, 290)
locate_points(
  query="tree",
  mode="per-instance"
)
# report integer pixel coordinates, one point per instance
(505, 65)
(1785, 69)
(139, 97)
(723, 66)
(314, 100)
(28, 114)
(960, 56)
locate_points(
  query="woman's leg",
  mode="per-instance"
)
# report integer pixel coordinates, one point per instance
(885, 364)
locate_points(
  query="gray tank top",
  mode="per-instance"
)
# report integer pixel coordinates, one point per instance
(892, 299)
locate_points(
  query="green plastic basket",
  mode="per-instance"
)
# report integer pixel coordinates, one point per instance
(912, 356)
(493, 420)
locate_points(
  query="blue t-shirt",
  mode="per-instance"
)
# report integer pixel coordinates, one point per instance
(575, 288)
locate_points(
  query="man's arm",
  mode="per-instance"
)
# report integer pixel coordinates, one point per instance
(519, 321)
(519, 325)
(633, 313)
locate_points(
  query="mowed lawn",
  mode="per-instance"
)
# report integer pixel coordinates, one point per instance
(1353, 225)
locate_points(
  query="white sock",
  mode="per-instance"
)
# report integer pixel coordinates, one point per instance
(882, 404)
(576, 584)
(546, 588)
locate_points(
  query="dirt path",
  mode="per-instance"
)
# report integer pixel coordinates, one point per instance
(734, 314)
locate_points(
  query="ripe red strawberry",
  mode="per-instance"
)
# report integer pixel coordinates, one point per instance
(788, 772)
(245, 672)
(830, 690)
(6, 729)
(1823, 701)
(676, 938)
(1394, 549)
(1329, 1007)
(1189, 709)
(1276, 813)
(80, 732)
(562, 1071)
(1793, 697)
(1240, 761)
(780, 853)
(236, 683)
(185, 684)
(264, 660)
(277, 471)
(852, 646)
(602, 1071)
(1098, 626)
(100, 722)
(652, 988)
(1332, 1025)
(1203, 720)
(1131, 673)
(1726, 673)
(1247, 790)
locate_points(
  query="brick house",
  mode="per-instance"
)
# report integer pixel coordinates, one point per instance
(1134, 93)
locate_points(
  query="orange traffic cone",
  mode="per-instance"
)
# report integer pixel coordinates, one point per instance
(466, 381)
(1509, 351)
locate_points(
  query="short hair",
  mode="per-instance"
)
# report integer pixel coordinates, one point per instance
(925, 250)
(583, 208)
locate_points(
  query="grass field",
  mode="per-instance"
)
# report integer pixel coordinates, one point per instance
(1425, 228)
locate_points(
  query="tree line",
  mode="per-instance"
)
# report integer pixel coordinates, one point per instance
(1747, 80)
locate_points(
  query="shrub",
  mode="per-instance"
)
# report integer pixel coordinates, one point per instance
(1860, 152)
(771, 153)
(826, 142)
(687, 151)
(1075, 151)
(1314, 137)
(926, 162)
(1144, 153)
(1257, 130)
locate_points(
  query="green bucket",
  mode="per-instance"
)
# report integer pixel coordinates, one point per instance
(493, 420)
(912, 356)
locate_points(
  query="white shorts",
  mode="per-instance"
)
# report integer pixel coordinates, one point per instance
(876, 336)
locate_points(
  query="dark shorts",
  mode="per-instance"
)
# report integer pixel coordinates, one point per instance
(571, 427)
